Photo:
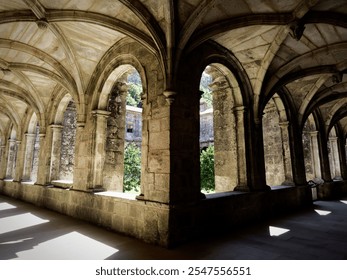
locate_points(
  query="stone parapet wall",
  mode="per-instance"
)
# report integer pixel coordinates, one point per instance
(157, 223)
(230, 211)
(147, 221)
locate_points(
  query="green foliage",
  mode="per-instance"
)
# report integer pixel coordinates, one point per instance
(205, 81)
(207, 169)
(134, 95)
(206, 96)
(132, 168)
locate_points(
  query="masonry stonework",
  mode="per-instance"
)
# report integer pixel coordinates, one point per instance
(269, 76)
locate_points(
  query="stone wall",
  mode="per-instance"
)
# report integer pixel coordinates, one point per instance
(147, 221)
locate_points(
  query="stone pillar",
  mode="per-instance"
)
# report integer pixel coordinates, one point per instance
(29, 156)
(174, 149)
(45, 153)
(297, 155)
(55, 151)
(287, 163)
(257, 173)
(146, 114)
(12, 155)
(114, 164)
(225, 139)
(315, 155)
(98, 147)
(335, 159)
(324, 156)
(239, 113)
(4, 160)
(155, 152)
(79, 158)
(343, 162)
(19, 161)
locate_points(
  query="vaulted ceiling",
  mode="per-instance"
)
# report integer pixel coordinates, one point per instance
(47, 46)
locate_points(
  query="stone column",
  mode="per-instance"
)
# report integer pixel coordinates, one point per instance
(239, 113)
(55, 151)
(19, 161)
(155, 151)
(29, 154)
(297, 155)
(335, 159)
(343, 162)
(324, 156)
(81, 166)
(3, 165)
(225, 139)
(12, 150)
(45, 153)
(287, 163)
(257, 173)
(114, 164)
(98, 146)
(315, 154)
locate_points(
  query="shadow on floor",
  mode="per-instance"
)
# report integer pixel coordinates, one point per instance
(29, 232)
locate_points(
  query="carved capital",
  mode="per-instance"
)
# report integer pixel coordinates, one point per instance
(170, 96)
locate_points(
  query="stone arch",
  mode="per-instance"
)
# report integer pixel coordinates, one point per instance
(228, 129)
(117, 61)
(232, 82)
(116, 108)
(113, 80)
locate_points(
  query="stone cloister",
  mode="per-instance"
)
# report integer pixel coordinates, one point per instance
(278, 74)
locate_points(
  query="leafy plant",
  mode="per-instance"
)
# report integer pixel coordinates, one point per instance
(205, 81)
(207, 182)
(132, 168)
(134, 94)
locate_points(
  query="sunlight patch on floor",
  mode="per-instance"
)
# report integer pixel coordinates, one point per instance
(8, 224)
(343, 201)
(71, 246)
(6, 206)
(277, 231)
(322, 212)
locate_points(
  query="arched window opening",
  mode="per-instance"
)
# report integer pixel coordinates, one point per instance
(333, 152)
(122, 168)
(276, 144)
(311, 151)
(222, 140)
(133, 134)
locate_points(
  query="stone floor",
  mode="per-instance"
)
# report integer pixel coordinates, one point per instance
(29, 232)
